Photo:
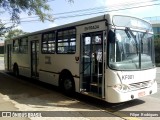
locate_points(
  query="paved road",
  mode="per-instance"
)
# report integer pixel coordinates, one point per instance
(157, 95)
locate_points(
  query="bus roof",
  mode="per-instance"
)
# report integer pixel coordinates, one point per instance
(77, 23)
(74, 24)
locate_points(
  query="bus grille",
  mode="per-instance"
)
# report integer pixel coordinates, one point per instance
(140, 85)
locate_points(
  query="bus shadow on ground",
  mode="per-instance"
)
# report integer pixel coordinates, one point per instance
(34, 94)
(112, 107)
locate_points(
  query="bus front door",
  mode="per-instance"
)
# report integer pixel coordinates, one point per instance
(92, 64)
(9, 63)
(34, 59)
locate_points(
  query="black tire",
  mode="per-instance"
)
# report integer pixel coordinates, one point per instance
(16, 71)
(68, 86)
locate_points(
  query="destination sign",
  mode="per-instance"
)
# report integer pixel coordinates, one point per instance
(91, 27)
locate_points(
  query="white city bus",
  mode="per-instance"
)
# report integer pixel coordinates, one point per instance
(110, 57)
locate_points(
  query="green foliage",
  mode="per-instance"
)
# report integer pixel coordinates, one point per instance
(31, 7)
(4, 29)
(14, 33)
(36, 7)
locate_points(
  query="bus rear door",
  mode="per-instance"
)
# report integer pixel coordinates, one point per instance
(34, 59)
(9, 58)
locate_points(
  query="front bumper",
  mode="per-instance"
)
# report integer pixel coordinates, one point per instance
(114, 96)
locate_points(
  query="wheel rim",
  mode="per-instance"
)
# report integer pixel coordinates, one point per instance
(67, 84)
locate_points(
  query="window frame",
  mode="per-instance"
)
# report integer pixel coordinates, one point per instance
(66, 36)
(47, 43)
(23, 45)
(15, 45)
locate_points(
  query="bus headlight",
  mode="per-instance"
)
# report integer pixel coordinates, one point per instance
(151, 83)
(122, 87)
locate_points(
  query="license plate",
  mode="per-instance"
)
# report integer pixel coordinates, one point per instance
(140, 94)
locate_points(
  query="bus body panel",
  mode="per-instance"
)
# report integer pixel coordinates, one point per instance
(128, 77)
(23, 63)
(24, 71)
(138, 81)
(50, 68)
(49, 77)
(92, 27)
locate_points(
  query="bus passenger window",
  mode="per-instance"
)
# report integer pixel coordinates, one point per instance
(48, 43)
(66, 41)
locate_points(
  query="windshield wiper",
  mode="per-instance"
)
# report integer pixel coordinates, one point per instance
(127, 31)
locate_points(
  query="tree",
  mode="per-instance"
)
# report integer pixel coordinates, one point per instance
(37, 7)
(14, 33)
(16, 7)
(31, 7)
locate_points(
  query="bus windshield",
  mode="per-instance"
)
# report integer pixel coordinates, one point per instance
(130, 50)
(131, 22)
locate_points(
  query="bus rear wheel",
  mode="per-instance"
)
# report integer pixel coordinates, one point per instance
(15, 70)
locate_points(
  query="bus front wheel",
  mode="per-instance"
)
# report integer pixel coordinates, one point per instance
(68, 86)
